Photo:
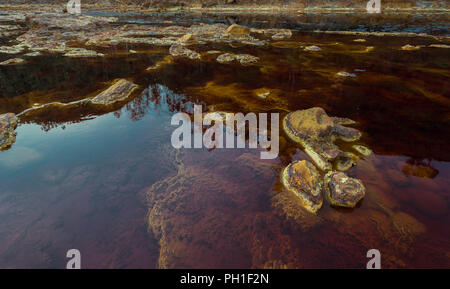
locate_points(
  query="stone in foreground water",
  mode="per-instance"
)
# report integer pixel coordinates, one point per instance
(342, 190)
(303, 179)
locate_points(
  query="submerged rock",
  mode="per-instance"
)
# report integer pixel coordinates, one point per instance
(286, 44)
(8, 123)
(303, 179)
(342, 190)
(262, 92)
(419, 168)
(178, 50)
(119, 91)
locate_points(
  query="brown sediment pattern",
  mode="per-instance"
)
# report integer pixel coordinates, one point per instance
(209, 216)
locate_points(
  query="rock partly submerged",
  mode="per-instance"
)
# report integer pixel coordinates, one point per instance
(316, 132)
(282, 35)
(342, 190)
(121, 90)
(312, 48)
(236, 29)
(244, 59)
(439, 46)
(179, 50)
(345, 74)
(8, 124)
(303, 179)
(13, 61)
(81, 52)
(365, 151)
(410, 47)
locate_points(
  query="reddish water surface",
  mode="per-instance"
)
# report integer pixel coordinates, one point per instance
(109, 183)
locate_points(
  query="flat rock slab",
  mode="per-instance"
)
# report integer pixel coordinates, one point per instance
(244, 59)
(119, 91)
(303, 179)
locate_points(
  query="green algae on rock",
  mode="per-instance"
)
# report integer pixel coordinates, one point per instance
(8, 123)
(303, 179)
(342, 190)
(119, 91)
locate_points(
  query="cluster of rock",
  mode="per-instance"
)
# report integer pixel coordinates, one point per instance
(52, 32)
(77, 36)
(316, 132)
(8, 124)
(7, 30)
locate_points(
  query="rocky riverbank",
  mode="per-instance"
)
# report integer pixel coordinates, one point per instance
(139, 5)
